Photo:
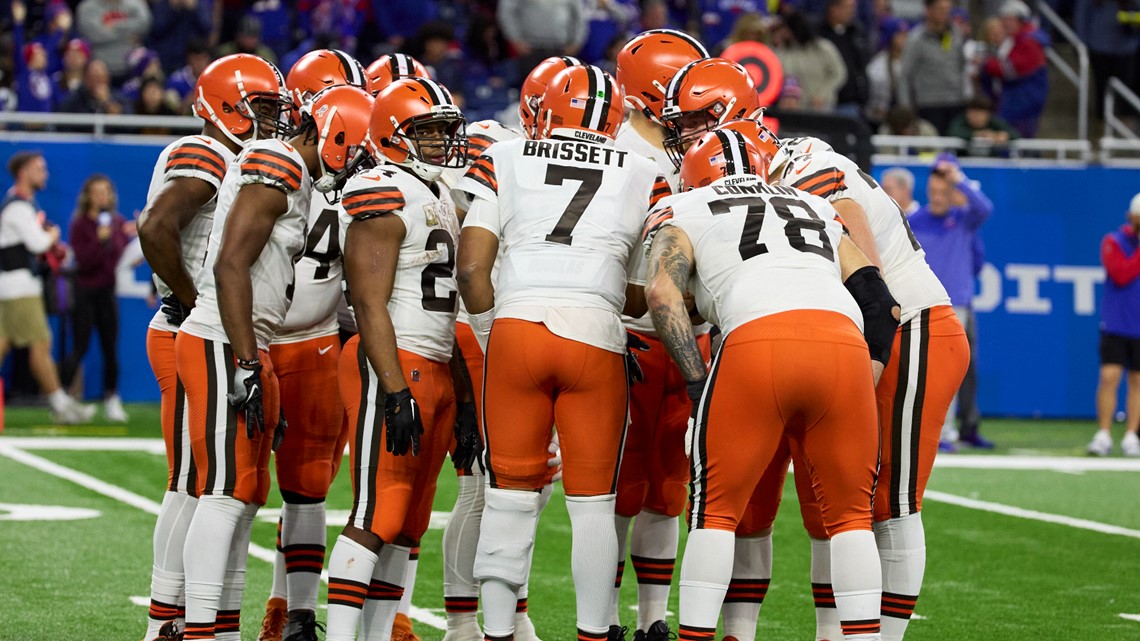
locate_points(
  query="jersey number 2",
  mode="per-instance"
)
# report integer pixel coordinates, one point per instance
(432, 302)
(589, 180)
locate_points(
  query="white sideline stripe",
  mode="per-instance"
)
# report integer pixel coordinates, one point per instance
(141, 502)
(1034, 515)
(86, 443)
(1130, 617)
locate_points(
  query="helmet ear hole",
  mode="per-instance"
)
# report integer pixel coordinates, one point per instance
(227, 108)
(339, 140)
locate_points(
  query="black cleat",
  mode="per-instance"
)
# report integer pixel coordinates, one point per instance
(658, 631)
(169, 632)
(616, 633)
(302, 626)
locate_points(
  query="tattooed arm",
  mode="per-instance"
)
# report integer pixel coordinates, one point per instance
(670, 265)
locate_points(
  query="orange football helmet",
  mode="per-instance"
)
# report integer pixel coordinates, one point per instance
(416, 124)
(757, 133)
(244, 97)
(581, 102)
(533, 88)
(647, 63)
(702, 96)
(389, 67)
(337, 118)
(717, 154)
(322, 69)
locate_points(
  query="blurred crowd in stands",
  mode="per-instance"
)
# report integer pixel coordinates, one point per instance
(917, 67)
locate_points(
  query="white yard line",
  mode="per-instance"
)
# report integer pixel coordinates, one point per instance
(10, 450)
(1130, 617)
(1034, 515)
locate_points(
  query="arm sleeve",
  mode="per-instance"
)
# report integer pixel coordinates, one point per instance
(485, 214)
(22, 218)
(1120, 268)
(978, 208)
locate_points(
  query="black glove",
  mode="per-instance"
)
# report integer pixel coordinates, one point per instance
(468, 445)
(174, 310)
(402, 423)
(633, 371)
(246, 397)
(279, 431)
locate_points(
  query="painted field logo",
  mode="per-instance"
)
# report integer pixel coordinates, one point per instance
(21, 512)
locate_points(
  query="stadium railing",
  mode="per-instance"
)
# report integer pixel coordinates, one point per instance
(1079, 76)
(32, 126)
(1120, 145)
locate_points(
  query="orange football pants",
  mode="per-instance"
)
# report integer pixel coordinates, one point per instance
(533, 379)
(228, 462)
(392, 495)
(654, 472)
(802, 374)
(309, 456)
(181, 475)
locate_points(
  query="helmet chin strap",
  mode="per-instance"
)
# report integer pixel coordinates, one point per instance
(326, 182)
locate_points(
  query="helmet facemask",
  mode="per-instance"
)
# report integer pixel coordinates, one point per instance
(682, 129)
(355, 157)
(270, 113)
(432, 141)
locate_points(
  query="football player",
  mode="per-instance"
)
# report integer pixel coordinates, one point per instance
(702, 96)
(305, 353)
(393, 66)
(395, 377)
(461, 535)
(773, 270)
(173, 230)
(244, 289)
(916, 387)
(567, 210)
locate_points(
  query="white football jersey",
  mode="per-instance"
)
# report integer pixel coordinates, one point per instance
(266, 162)
(568, 215)
(424, 295)
(198, 157)
(759, 250)
(834, 177)
(316, 277)
(480, 136)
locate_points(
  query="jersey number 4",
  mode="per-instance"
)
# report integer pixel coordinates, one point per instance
(794, 226)
(589, 180)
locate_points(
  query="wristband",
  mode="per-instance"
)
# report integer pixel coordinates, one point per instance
(248, 364)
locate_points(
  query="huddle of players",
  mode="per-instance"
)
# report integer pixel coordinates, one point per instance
(487, 273)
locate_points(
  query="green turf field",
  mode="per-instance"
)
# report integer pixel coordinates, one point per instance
(1035, 554)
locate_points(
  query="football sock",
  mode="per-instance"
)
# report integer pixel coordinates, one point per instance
(593, 556)
(206, 555)
(409, 580)
(621, 527)
(350, 573)
(751, 574)
(826, 616)
(167, 579)
(228, 626)
(279, 590)
(385, 590)
(705, 574)
(902, 552)
(499, 601)
(460, 541)
(653, 550)
(303, 539)
(858, 582)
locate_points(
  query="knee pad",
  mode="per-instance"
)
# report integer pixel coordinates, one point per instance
(507, 535)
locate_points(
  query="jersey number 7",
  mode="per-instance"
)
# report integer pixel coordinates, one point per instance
(589, 180)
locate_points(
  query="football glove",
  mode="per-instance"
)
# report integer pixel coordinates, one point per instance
(555, 460)
(174, 310)
(695, 390)
(247, 395)
(403, 425)
(633, 371)
(468, 445)
(279, 431)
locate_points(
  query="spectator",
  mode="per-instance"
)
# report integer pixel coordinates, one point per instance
(277, 24)
(68, 79)
(883, 72)
(947, 228)
(177, 23)
(840, 29)
(114, 27)
(34, 89)
(434, 45)
(791, 96)
(655, 15)
(98, 234)
(340, 19)
(23, 322)
(814, 61)
(1120, 334)
(933, 77)
(399, 21)
(180, 87)
(96, 95)
(1112, 45)
(248, 40)
(1019, 67)
(899, 185)
(540, 29)
(605, 19)
(718, 18)
(985, 133)
(152, 101)
(145, 64)
(50, 33)
(978, 51)
(902, 121)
